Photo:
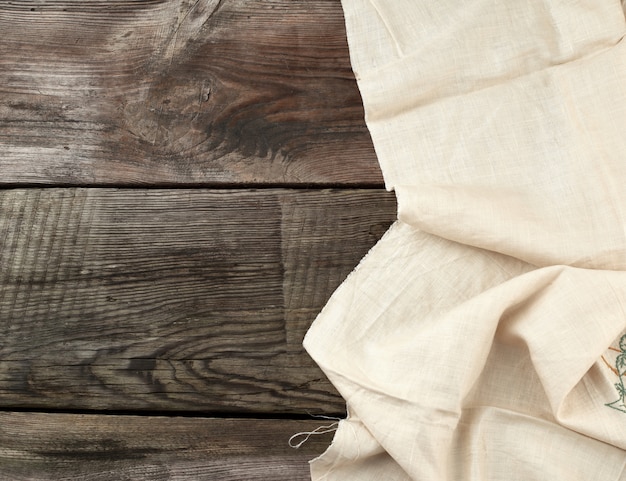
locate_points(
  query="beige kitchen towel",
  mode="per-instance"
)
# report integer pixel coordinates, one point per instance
(484, 336)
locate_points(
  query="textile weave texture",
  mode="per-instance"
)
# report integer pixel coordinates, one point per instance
(483, 338)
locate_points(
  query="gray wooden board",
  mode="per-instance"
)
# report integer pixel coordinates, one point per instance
(203, 92)
(36, 446)
(178, 300)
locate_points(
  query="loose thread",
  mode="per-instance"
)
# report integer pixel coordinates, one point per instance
(307, 434)
(321, 416)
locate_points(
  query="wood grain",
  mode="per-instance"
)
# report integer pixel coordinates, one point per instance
(179, 300)
(195, 92)
(37, 447)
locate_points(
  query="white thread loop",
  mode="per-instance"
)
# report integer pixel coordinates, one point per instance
(307, 434)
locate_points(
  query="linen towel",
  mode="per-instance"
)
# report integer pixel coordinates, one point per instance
(484, 336)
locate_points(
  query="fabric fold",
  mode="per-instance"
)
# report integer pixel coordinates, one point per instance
(484, 337)
(410, 365)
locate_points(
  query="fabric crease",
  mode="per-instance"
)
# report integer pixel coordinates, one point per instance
(483, 338)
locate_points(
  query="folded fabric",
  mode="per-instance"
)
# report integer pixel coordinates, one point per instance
(484, 336)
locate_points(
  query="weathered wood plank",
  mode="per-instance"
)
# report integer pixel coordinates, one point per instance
(37, 447)
(190, 300)
(202, 92)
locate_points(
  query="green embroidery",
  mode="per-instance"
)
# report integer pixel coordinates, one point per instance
(620, 366)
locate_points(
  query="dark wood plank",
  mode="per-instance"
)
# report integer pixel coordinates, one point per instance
(206, 92)
(178, 300)
(111, 448)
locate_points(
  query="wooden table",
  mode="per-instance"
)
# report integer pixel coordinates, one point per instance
(183, 185)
